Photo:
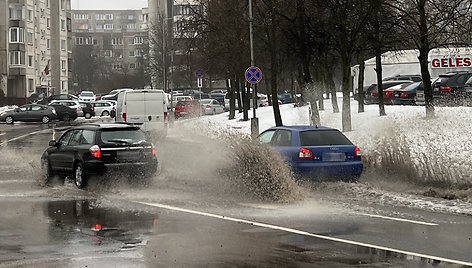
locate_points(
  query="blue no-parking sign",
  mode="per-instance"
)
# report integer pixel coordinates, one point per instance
(253, 75)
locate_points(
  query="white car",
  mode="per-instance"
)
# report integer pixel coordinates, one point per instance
(103, 108)
(211, 106)
(71, 104)
(87, 96)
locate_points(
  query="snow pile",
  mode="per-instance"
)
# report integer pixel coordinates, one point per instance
(7, 108)
(429, 151)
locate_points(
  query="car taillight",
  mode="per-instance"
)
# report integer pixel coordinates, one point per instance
(97, 227)
(388, 94)
(165, 116)
(445, 88)
(54, 111)
(372, 93)
(124, 117)
(153, 151)
(305, 153)
(404, 95)
(95, 151)
(357, 152)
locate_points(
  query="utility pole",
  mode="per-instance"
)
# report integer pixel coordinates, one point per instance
(254, 119)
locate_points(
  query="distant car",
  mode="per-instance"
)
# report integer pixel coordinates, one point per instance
(468, 87)
(87, 96)
(410, 77)
(315, 151)
(180, 98)
(371, 95)
(29, 113)
(187, 109)
(406, 93)
(265, 101)
(220, 97)
(450, 87)
(98, 149)
(211, 106)
(69, 103)
(64, 113)
(102, 108)
(219, 91)
(113, 95)
(47, 100)
(88, 111)
(285, 97)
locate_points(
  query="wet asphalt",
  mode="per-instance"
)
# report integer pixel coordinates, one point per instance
(124, 225)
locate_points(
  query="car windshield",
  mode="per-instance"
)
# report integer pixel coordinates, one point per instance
(413, 86)
(323, 138)
(206, 102)
(86, 94)
(127, 136)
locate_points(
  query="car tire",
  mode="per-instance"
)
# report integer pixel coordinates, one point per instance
(80, 178)
(105, 113)
(9, 120)
(45, 119)
(46, 169)
(66, 117)
(87, 115)
(112, 114)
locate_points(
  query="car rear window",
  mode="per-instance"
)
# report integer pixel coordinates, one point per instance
(323, 138)
(117, 136)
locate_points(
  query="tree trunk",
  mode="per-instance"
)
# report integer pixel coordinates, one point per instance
(346, 113)
(360, 84)
(246, 104)
(332, 90)
(274, 69)
(378, 70)
(232, 107)
(315, 114)
(423, 58)
(239, 94)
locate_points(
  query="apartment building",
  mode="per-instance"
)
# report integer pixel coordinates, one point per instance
(114, 41)
(33, 47)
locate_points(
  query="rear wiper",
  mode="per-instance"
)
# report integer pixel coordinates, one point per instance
(118, 141)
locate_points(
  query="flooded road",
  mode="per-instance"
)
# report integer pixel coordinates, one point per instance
(190, 217)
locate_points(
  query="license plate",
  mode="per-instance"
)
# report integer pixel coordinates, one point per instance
(128, 155)
(334, 157)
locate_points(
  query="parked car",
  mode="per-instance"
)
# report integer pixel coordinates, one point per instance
(315, 151)
(219, 91)
(410, 77)
(211, 106)
(47, 100)
(285, 97)
(102, 108)
(98, 149)
(450, 88)
(88, 111)
(371, 95)
(29, 113)
(468, 87)
(220, 97)
(180, 98)
(406, 93)
(87, 96)
(113, 95)
(389, 92)
(64, 113)
(69, 103)
(187, 109)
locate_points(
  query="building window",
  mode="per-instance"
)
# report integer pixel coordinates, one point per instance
(48, 43)
(16, 12)
(138, 40)
(63, 4)
(29, 38)
(63, 65)
(30, 61)
(81, 16)
(48, 23)
(108, 53)
(64, 86)
(47, 3)
(108, 16)
(117, 41)
(131, 53)
(108, 26)
(141, 17)
(17, 58)
(130, 17)
(79, 40)
(131, 26)
(63, 25)
(30, 85)
(17, 35)
(30, 15)
(63, 44)
(132, 65)
(89, 40)
(99, 27)
(138, 53)
(117, 66)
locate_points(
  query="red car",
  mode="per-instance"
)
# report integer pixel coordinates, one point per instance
(187, 109)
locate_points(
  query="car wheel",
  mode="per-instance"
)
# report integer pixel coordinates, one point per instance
(105, 113)
(46, 168)
(45, 119)
(88, 116)
(80, 177)
(9, 120)
(112, 114)
(66, 117)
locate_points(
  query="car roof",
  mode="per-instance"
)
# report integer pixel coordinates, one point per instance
(303, 128)
(106, 126)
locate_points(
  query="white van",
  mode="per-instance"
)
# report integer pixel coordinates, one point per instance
(147, 108)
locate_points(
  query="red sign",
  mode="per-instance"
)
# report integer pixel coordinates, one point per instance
(456, 62)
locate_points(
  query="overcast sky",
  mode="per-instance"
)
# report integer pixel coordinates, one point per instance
(108, 4)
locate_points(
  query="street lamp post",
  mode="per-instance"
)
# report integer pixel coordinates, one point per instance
(254, 119)
(171, 45)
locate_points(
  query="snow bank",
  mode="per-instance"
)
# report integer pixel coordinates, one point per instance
(430, 151)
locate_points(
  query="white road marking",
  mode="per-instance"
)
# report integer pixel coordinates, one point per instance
(399, 219)
(23, 136)
(1, 134)
(304, 233)
(14, 181)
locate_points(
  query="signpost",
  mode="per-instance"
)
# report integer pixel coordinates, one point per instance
(254, 76)
(199, 76)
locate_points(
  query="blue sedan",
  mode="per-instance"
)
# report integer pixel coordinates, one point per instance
(315, 151)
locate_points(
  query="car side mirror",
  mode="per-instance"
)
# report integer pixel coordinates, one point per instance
(53, 143)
